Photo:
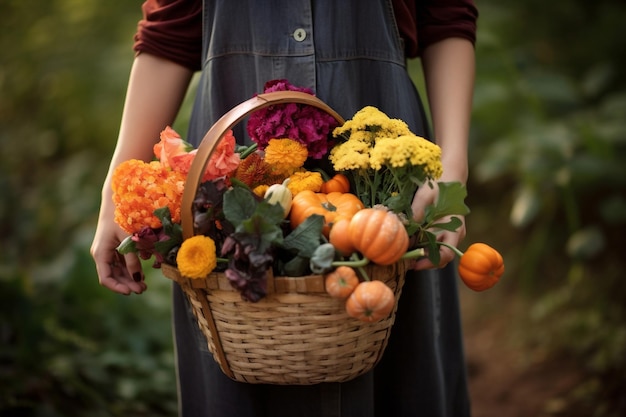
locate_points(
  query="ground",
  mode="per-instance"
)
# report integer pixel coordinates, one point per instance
(507, 377)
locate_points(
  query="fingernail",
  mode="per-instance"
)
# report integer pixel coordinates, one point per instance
(137, 276)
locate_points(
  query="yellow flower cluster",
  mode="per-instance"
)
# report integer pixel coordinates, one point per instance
(375, 141)
(407, 150)
(196, 257)
(139, 188)
(370, 123)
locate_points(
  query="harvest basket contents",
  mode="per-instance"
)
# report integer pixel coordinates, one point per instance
(293, 271)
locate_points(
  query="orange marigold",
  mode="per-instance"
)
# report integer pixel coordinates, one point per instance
(285, 155)
(139, 188)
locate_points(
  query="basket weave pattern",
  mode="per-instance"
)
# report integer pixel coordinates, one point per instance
(297, 334)
(289, 337)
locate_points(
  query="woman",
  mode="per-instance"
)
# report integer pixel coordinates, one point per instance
(352, 54)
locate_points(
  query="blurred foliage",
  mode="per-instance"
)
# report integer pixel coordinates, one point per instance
(67, 347)
(547, 155)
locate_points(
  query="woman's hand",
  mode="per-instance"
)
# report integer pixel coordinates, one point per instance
(424, 197)
(116, 272)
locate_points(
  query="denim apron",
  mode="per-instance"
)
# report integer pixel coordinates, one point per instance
(351, 54)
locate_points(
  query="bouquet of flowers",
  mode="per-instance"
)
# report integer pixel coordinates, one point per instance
(269, 207)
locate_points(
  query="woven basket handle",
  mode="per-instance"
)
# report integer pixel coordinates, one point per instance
(223, 125)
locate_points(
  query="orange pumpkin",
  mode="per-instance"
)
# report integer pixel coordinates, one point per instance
(481, 267)
(333, 206)
(340, 239)
(370, 301)
(379, 235)
(338, 183)
(341, 282)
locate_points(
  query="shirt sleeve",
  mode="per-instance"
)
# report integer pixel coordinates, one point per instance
(441, 19)
(171, 29)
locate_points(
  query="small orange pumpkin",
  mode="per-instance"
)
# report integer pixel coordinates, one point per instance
(333, 206)
(379, 235)
(338, 183)
(370, 301)
(339, 237)
(481, 267)
(341, 282)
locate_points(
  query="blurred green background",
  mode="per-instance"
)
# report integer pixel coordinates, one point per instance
(547, 188)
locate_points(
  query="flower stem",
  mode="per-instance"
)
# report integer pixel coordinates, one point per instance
(249, 150)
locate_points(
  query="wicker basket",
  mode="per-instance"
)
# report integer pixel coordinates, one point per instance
(297, 334)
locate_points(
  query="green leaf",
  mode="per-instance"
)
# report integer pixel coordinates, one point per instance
(451, 200)
(127, 246)
(432, 248)
(273, 213)
(173, 230)
(297, 266)
(269, 233)
(305, 238)
(239, 205)
(451, 225)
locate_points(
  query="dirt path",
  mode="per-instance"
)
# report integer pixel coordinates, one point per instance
(507, 378)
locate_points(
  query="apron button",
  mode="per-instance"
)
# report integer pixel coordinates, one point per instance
(299, 34)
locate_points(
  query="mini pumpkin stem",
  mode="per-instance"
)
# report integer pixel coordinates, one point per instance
(415, 253)
(454, 248)
(354, 262)
(357, 263)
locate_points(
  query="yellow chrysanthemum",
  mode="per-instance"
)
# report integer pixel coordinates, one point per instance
(370, 124)
(408, 150)
(350, 155)
(305, 180)
(285, 155)
(139, 188)
(196, 257)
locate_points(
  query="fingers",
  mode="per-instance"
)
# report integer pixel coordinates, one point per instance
(425, 196)
(121, 275)
(446, 255)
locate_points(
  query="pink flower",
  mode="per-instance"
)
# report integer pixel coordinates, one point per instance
(223, 161)
(170, 147)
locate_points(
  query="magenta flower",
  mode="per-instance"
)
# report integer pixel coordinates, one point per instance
(305, 124)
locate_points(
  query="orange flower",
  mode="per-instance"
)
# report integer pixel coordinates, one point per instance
(253, 171)
(305, 180)
(139, 188)
(170, 146)
(285, 155)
